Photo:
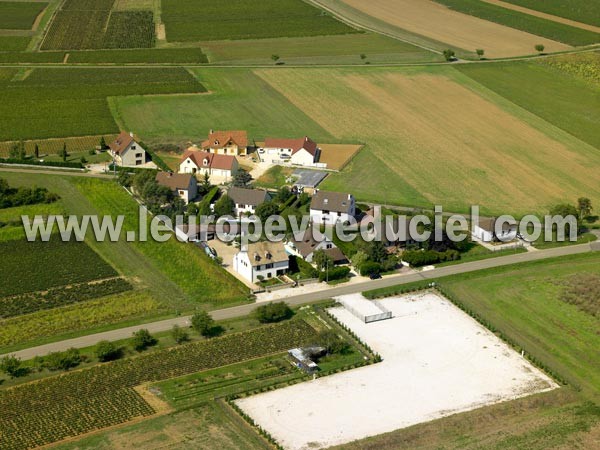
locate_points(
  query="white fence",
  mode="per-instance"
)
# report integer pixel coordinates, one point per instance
(368, 318)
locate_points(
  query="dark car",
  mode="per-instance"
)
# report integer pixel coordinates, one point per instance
(375, 276)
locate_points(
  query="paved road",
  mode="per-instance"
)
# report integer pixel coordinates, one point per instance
(238, 311)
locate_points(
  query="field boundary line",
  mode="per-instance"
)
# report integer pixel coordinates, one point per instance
(543, 15)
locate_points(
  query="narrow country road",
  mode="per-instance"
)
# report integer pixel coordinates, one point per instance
(238, 311)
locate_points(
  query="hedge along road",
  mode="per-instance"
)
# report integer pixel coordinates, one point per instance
(243, 310)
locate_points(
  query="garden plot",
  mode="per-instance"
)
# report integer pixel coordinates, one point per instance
(437, 361)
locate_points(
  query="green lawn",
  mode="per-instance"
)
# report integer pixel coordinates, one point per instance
(524, 22)
(554, 95)
(580, 10)
(201, 20)
(19, 15)
(237, 99)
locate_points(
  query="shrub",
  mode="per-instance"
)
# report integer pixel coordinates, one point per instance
(273, 312)
(203, 323)
(370, 268)
(179, 334)
(107, 351)
(335, 273)
(63, 360)
(11, 366)
(142, 339)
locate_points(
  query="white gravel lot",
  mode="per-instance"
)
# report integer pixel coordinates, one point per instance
(437, 361)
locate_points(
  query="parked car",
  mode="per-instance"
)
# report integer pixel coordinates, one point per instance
(375, 276)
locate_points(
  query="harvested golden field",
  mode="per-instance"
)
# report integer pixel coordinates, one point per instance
(336, 156)
(437, 22)
(434, 136)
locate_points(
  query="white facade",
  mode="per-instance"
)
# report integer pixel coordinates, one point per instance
(483, 235)
(303, 158)
(244, 264)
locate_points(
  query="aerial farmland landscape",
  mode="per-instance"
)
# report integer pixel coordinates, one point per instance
(299, 224)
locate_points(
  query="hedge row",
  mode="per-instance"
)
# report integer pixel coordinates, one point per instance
(33, 162)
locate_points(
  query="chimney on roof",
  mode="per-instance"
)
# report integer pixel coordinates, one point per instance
(211, 131)
(131, 133)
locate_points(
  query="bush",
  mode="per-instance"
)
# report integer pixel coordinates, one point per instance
(203, 323)
(273, 312)
(142, 339)
(11, 366)
(336, 273)
(420, 257)
(370, 268)
(107, 351)
(63, 360)
(332, 342)
(179, 335)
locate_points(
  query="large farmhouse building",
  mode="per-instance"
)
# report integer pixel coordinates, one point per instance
(261, 260)
(301, 152)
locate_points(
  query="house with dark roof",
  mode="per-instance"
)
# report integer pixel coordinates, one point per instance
(226, 142)
(306, 245)
(331, 207)
(127, 152)
(195, 161)
(302, 151)
(247, 200)
(261, 260)
(485, 230)
(183, 185)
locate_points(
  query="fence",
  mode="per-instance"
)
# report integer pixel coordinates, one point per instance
(368, 318)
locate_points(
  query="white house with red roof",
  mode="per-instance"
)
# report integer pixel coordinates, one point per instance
(300, 152)
(222, 167)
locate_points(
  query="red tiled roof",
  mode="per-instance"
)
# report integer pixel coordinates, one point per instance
(121, 143)
(174, 180)
(296, 145)
(213, 161)
(221, 138)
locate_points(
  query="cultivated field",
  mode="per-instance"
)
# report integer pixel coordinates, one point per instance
(13, 43)
(419, 151)
(337, 156)
(19, 15)
(538, 26)
(54, 146)
(50, 103)
(580, 10)
(437, 361)
(436, 22)
(92, 25)
(246, 19)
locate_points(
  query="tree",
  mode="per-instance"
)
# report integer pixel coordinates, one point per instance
(332, 342)
(363, 56)
(480, 52)
(322, 260)
(539, 48)
(102, 144)
(449, 54)
(179, 335)
(564, 210)
(584, 205)
(36, 151)
(205, 185)
(63, 152)
(142, 339)
(370, 268)
(17, 151)
(283, 194)
(203, 323)
(266, 210)
(359, 258)
(83, 160)
(11, 366)
(63, 360)
(224, 206)
(275, 58)
(242, 178)
(273, 312)
(107, 351)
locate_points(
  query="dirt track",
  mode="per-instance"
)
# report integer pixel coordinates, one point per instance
(437, 22)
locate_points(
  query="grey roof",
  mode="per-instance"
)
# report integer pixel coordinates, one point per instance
(309, 178)
(253, 197)
(330, 201)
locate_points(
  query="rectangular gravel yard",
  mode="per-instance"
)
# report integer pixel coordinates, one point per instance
(437, 361)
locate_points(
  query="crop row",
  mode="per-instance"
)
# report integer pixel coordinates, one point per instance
(54, 146)
(130, 29)
(36, 266)
(65, 295)
(54, 408)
